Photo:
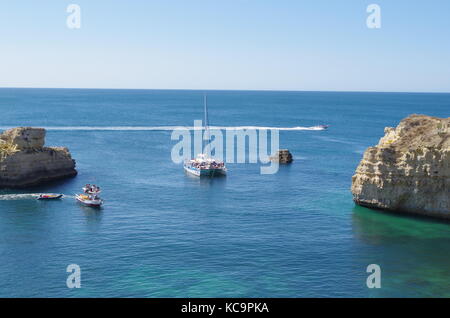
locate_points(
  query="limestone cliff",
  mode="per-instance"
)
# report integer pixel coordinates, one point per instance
(409, 170)
(24, 161)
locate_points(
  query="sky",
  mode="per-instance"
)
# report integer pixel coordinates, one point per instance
(315, 45)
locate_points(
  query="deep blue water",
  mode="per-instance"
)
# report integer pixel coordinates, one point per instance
(161, 233)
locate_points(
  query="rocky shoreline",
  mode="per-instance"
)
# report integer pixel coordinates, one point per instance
(25, 161)
(409, 170)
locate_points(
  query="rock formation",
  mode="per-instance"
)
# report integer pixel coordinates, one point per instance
(24, 161)
(409, 170)
(282, 156)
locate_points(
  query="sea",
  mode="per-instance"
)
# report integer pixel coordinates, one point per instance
(163, 233)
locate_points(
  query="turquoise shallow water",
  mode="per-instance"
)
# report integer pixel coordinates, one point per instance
(163, 234)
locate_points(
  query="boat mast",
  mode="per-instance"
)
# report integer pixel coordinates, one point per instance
(208, 136)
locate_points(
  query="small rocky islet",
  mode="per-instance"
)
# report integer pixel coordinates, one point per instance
(409, 170)
(25, 161)
(282, 156)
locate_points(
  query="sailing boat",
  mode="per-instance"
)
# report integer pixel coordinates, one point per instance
(204, 166)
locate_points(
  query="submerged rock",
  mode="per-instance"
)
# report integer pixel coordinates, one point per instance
(24, 161)
(409, 170)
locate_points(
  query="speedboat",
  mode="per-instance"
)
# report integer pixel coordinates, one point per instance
(203, 166)
(50, 196)
(89, 200)
(323, 127)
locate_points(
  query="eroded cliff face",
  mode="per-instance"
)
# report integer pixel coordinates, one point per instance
(409, 170)
(24, 161)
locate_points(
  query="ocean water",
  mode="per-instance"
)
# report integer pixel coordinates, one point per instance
(162, 233)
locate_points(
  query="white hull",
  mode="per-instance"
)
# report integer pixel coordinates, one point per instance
(92, 203)
(205, 172)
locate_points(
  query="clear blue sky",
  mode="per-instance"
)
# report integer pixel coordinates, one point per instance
(233, 44)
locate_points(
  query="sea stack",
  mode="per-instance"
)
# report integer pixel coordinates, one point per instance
(282, 156)
(24, 161)
(409, 170)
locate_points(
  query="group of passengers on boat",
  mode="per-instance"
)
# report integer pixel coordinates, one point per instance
(208, 165)
(88, 188)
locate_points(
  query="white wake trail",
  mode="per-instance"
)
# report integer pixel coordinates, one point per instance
(168, 128)
(26, 196)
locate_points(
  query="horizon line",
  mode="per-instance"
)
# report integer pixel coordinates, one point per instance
(230, 90)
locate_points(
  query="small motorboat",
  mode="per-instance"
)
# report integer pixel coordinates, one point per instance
(324, 127)
(49, 196)
(89, 200)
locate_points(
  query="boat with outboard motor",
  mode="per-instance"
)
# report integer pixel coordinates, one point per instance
(204, 166)
(89, 200)
(91, 196)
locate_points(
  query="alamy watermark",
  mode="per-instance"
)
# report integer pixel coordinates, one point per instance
(374, 19)
(374, 279)
(235, 146)
(73, 20)
(74, 279)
